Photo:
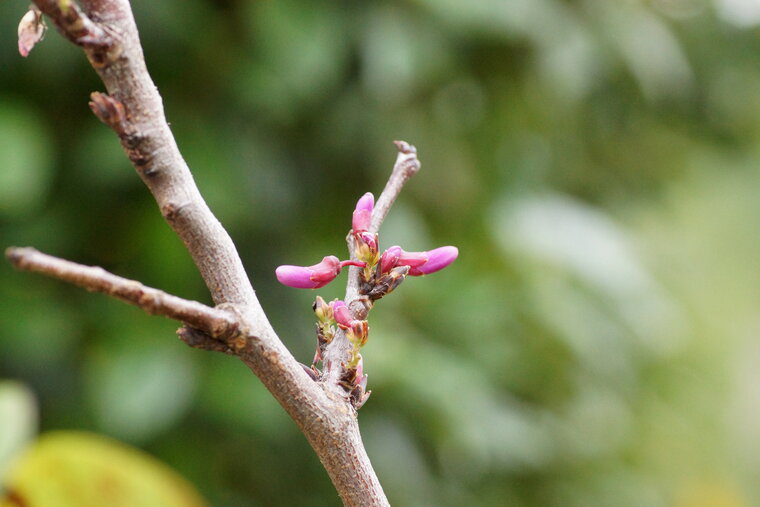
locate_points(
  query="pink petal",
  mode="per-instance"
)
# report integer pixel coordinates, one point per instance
(390, 258)
(309, 277)
(438, 259)
(296, 276)
(412, 259)
(326, 271)
(363, 213)
(366, 202)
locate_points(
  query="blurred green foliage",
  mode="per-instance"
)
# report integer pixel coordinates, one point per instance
(595, 162)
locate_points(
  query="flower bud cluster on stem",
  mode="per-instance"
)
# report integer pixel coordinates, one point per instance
(381, 274)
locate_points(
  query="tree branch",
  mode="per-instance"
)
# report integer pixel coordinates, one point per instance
(406, 166)
(216, 322)
(133, 109)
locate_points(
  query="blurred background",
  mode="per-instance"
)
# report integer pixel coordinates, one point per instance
(597, 342)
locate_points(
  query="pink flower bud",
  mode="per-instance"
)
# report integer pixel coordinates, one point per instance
(31, 30)
(365, 247)
(341, 314)
(370, 240)
(424, 263)
(310, 277)
(363, 213)
(390, 258)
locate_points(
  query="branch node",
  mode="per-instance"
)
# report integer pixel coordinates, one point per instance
(360, 307)
(172, 211)
(16, 255)
(405, 147)
(110, 111)
(197, 339)
(76, 26)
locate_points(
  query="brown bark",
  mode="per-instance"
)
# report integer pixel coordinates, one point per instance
(132, 107)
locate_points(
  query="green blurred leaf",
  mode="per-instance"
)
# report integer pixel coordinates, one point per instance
(100, 160)
(139, 391)
(25, 158)
(301, 55)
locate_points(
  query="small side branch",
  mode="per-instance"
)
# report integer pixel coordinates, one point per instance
(76, 26)
(405, 167)
(217, 323)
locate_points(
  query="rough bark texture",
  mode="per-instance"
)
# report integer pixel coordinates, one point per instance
(133, 108)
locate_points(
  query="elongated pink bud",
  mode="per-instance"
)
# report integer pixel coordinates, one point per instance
(363, 213)
(309, 277)
(424, 263)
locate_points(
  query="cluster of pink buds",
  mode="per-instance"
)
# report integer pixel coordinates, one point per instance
(380, 275)
(352, 378)
(368, 257)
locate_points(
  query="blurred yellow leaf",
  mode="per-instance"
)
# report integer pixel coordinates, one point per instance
(18, 420)
(709, 493)
(68, 468)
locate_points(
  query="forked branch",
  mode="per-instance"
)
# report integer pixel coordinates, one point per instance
(133, 109)
(218, 323)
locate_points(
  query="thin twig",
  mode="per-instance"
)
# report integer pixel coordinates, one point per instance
(406, 166)
(217, 323)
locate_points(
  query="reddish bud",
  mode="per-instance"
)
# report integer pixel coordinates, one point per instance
(363, 213)
(341, 314)
(390, 258)
(309, 277)
(365, 247)
(370, 240)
